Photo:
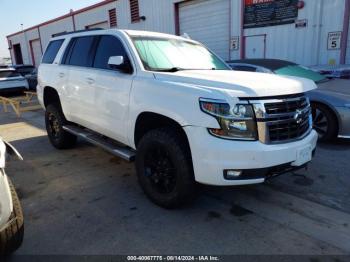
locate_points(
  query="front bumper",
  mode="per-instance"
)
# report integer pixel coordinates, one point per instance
(211, 156)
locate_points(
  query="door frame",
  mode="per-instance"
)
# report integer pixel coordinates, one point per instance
(17, 47)
(245, 44)
(32, 50)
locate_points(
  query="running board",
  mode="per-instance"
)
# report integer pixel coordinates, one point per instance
(107, 144)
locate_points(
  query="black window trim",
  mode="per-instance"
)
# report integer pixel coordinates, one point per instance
(70, 46)
(125, 50)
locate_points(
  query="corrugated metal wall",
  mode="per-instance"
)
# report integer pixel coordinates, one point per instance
(307, 46)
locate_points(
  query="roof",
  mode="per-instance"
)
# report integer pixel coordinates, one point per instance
(105, 2)
(128, 32)
(272, 64)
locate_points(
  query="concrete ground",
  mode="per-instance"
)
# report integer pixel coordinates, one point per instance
(85, 201)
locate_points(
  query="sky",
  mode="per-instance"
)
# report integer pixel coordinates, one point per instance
(13, 13)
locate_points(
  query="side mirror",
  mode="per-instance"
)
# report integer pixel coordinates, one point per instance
(120, 63)
(116, 61)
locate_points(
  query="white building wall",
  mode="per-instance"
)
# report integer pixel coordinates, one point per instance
(308, 45)
(60, 26)
(93, 16)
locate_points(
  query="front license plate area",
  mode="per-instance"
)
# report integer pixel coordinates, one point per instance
(304, 155)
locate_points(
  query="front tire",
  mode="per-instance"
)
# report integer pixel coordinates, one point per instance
(324, 122)
(55, 120)
(12, 237)
(164, 168)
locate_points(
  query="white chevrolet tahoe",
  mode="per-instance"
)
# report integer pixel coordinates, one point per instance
(11, 216)
(176, 107)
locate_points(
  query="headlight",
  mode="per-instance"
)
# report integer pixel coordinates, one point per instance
(237, 123)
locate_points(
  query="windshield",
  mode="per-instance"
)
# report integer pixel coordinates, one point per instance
(301, 71)
(162, 54)
(10, 73)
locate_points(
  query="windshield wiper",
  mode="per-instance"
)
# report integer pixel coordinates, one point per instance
(171, 70)
(176, 69)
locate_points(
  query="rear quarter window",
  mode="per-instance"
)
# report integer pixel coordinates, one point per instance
(51, 51)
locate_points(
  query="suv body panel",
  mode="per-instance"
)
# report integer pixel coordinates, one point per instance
(112, 102)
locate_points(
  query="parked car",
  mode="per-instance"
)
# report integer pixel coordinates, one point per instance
(30, 73)
(12, 81)
(24, 69)
(32, 79)
(11, 215)
(330, 102)
(176, 107)
(330, 71)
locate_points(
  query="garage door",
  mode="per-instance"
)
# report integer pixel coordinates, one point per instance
(197, 20)
(36, 52)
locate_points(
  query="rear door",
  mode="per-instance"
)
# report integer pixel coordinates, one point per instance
(80, 87)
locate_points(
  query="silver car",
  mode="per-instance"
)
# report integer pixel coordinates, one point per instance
(330, 102)
(11, 215)
(12, 81)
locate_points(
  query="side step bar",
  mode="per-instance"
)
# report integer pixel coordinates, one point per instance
(107, 144)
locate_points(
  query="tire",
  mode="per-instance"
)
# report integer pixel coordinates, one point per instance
(164, 168)
(324, 122)
(55, 120)
(12, 237)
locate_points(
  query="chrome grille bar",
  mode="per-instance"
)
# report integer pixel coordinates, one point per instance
(283, 120)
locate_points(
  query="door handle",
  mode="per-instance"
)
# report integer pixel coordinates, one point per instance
(61, 75)
(90, 81)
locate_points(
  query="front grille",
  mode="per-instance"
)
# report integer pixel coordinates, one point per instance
(286, 106)
(284, 119)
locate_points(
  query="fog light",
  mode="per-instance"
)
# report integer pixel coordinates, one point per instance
(232, 174)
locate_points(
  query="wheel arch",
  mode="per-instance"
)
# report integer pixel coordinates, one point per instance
(332, 109)
(147, 121)
(50, 96)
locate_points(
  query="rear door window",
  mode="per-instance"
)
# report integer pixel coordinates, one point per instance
(9, 73)
(81, 53)
(108, 46)
(244, 68)
(51, 51)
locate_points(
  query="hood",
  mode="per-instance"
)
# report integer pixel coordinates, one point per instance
(341, 86)
(240, 84)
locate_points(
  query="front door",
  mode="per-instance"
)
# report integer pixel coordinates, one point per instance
(255, 46)
(112, 89)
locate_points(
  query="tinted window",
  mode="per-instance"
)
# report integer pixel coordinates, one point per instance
(81, 54)
(243, 68)
(10, 73)
(107, 47)
(26, 70)
(51, 51)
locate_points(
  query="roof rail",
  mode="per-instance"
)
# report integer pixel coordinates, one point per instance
(78, 31)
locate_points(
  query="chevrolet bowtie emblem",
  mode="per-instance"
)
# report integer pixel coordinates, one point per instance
(298, 116)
